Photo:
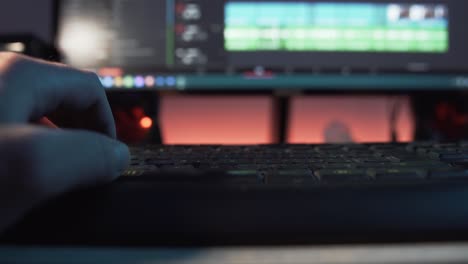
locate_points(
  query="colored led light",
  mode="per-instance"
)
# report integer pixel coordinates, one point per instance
(149, 81)
(118, 81)
(139, 82)
(146, 122)
(160, 81)
(128, 81)
(107, 81)
(110, 71)
(171, 81)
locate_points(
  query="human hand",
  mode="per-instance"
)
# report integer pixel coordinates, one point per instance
(38, 163)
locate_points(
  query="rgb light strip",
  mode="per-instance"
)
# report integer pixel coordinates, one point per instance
(220, 82)
(138, 81)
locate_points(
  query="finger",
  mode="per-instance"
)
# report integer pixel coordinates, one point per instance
(47, 162)
(37, 164)
(47, 123)
(31, 89)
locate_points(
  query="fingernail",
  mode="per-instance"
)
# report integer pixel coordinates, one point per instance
(122, 157)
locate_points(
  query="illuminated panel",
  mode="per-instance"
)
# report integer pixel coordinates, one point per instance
(248, 120)
(216, 120)
(353, 27)
(340, 119)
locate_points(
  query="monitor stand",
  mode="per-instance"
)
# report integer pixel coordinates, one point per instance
(281, 113)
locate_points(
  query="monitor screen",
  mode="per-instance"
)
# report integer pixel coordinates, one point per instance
(239, 45)
(335, 27)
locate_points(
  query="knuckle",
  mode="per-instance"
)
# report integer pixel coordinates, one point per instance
(93, 85)
(13, 68)
(11, 59)
(7, 55)
(92, 76)
(94, 79)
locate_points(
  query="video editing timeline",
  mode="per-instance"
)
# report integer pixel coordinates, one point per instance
(216, 45)
(300, 26)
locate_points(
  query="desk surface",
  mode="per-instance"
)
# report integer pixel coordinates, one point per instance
(421, 253)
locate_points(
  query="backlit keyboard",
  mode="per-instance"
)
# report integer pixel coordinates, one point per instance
(301, 164)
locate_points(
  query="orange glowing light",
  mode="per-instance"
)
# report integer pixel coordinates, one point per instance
(146, 122)
(110, 71)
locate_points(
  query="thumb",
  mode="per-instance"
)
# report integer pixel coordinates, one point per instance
(57, 161)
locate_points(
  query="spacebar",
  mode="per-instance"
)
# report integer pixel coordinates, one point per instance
(188, 175)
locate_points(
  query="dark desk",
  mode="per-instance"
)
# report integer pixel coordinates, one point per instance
(422, 253)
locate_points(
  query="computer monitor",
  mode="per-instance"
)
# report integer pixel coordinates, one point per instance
(239, 45)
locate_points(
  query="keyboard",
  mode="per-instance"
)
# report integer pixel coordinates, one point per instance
(301, 165)
(265, 195)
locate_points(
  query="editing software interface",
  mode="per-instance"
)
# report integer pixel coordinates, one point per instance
(235, 45)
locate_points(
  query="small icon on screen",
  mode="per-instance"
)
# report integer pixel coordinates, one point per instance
(160, 81)
(191, 12)
(128, 81)
(149, 81)
(139, 82)
(118, 81)
(171, 81)
(107, 81)
(418, 12)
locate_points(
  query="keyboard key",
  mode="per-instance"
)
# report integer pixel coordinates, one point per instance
(244, 177)
(461, 163)
(291, 177)
(400, 174)
(420, 164)
(343, 175)
(132, 173)
(449, 174)
(246, 167)
(453, 157)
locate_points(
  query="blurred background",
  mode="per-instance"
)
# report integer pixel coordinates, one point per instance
(187, 118)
